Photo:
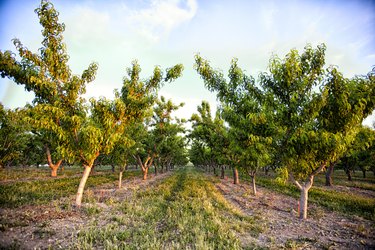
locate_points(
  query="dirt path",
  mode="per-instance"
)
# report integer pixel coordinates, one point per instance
(58, 223)
(322, 230)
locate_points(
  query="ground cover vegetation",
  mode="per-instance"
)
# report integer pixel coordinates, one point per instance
(296, 125)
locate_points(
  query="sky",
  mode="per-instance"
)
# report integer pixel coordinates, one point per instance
(113, 33)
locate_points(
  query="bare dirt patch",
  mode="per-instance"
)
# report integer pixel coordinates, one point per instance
(283, 229)
(58, 223)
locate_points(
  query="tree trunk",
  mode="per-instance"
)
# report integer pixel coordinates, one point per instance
(145, 171)
(304, 188)
(214, 170)
(349, 174)
(156, 170)
(53, 167)
(82, 184)
(236, 179)
(120, 180)
(329, 173)
(54, 170)
(303, 202)
(304, 192)
(222, 172)
(364, 173)
(92, 170)
(253, 184)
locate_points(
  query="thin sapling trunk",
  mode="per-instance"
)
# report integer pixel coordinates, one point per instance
(253, 184)
(122, 169)
(236, 179)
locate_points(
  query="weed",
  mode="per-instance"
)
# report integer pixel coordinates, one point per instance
(91, 209)
(43, 231)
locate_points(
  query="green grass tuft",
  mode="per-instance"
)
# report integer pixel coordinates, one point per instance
(185, 211)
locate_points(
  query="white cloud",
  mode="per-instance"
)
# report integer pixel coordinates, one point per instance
(268, 12)
(162, 17)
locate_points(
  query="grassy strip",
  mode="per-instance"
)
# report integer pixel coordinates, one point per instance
(340, 178)
(43, 191)
(29, 173)
(335, 201)
(185, 211)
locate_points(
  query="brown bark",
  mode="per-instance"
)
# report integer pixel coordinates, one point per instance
(54, 170)
(145, 171)
(364, 173)
(329, 173)
(222, 172)
(145, 166)
(53, 167)
(349, 174)
(236, 179)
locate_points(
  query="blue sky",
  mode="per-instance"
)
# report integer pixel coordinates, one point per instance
(113, 33)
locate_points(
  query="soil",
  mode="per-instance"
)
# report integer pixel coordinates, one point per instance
(58, 223)
(283, 229)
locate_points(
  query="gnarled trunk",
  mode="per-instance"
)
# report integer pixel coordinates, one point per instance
(236, 179)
